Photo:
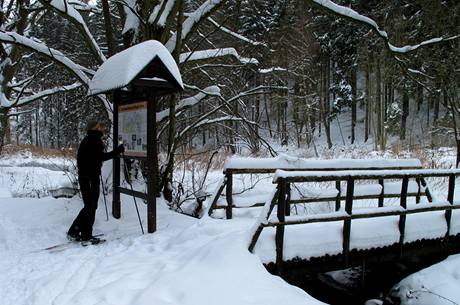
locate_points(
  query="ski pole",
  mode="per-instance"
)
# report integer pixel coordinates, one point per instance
(132, 190)
(105, 200)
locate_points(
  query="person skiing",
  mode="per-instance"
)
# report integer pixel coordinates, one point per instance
(89, 162)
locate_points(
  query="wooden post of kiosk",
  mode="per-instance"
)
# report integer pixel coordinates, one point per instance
(138, 89)
(152, 164)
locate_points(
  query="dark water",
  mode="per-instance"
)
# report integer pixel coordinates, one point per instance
(356, 285)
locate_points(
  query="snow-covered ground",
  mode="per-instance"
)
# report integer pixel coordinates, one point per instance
(187, 261)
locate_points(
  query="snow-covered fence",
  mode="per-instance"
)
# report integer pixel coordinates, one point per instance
(256, 166)
(281, 199)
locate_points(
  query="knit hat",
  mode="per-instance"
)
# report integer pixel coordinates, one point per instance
(91, 124)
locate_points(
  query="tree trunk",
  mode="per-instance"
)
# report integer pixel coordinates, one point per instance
(353, 103)
(111, 46)
(404, 115)
(367, 103)
(380, 109)
(166, 176)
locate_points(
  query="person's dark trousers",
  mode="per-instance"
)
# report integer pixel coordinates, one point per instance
(83, 224)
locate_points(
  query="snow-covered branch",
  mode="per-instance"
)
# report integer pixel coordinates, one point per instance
(31, 98)
(84, 7)
(162, 12)
(352, 14)
(132, 18)
(193, 20)
(71, 14)
(236, 35)
(190, 101)
(55, 55)
(214, 53)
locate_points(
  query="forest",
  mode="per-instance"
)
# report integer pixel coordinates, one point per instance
(258, 74)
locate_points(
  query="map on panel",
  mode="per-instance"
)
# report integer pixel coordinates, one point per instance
(132, 128)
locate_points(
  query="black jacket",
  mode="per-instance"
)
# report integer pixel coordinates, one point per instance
(91, 154)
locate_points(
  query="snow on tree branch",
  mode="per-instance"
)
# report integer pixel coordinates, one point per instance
(31, 98)
(352, 14)
(190, 101)
(71, 14)
(161, 12)
(82, 6)
(236, 35)
(219, 120)
(193, 20)
(214, 53)
(133, 19)
(55, 55)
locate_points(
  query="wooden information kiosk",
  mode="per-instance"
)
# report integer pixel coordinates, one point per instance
(137, 76)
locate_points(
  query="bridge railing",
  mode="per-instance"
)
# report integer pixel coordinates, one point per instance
(280, 199)
(260, 166)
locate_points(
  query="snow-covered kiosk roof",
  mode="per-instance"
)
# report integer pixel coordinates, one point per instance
(148, 63)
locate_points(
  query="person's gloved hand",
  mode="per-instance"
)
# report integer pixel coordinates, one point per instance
(120, 149)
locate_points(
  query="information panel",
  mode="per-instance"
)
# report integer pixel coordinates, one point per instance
(132, 128)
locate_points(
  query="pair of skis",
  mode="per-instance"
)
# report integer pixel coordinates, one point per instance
(70, 244)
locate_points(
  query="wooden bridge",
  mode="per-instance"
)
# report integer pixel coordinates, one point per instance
(352, 234)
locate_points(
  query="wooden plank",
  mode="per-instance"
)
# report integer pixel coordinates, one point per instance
(279, 238)
(324, 169)
(370, 176)
(219, 192)
(317, 200)
(361, 216)
(347, 222)
(133, 193)
(229, 194)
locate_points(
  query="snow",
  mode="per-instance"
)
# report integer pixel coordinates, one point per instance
(214, 53)
(435, 285)
(284, 161)
(132, 19)
(120, 69)
(187, 261)
(368, 173)
(192, 20)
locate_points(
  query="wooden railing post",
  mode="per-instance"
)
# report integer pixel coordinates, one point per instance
(382, 193)
(279, 238)
(450, 198)
(347, 222)
(228, 194)
(402, 218)
(288, 199)
(419, 192)
(337, 199)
